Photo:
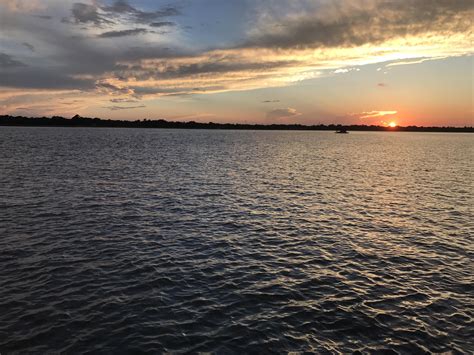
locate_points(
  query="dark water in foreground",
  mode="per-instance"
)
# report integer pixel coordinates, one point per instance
(122, 241)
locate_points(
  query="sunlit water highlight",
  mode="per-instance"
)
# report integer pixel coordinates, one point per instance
(134, 240)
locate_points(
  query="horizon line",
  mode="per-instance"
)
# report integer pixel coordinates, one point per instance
(80, 121)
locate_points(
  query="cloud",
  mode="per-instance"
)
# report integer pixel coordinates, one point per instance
(294, 47)
(98, 15)
(142, 17)
(374, 114)
(282, 113)
(382, 85)
(342, 23)
(7, 61)
(118, 108)
(123, 100)
(165, 12)
(122, 7)
(345, 70)
(41, 78)
(44, 17)
(85, 13)
(123, 33)
(371, 117)
(22, 6)
(163, 24)
(29, 46)
(198, 65)
(411, 61)
(40, 102)
(112, 89)
(208, 72)
(154, 89)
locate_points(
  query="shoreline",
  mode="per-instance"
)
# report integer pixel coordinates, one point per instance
(77, 121)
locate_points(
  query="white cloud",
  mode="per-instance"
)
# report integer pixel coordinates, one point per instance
(374, 114)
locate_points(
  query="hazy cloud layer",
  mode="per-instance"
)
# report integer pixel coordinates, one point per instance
(131, 32)
(123, 100)
(118, 108)
(7, 61)
(96, 14)
(163, 24)
(282, 113)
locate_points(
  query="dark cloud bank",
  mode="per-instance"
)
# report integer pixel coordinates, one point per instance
(348, 24)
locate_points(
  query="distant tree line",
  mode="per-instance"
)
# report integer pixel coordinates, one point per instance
(78, 121)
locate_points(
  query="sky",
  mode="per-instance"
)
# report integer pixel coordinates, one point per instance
(245, 61)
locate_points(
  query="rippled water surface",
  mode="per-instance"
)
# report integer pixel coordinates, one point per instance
(135, 240)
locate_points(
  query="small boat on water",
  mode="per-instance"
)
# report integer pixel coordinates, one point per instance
(343, 130)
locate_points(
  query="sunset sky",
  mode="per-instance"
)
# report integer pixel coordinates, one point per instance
(256, 61)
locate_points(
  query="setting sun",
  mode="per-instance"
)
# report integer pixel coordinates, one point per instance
(392, 124)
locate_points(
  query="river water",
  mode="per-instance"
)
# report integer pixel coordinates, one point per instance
(142, 240)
